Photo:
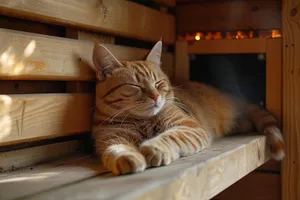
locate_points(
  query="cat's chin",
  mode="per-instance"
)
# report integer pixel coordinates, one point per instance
(147, 113)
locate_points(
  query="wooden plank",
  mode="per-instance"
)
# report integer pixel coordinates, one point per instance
(182, 62)
(274, 77)
(36, 57)
(118, 17)
(48, 176)
(228, 46)
(40, 116)
(254, 186)
(14, 160)
(51, 58)
(291, 98)
(228, 15)
(200, 176)
(171, 3)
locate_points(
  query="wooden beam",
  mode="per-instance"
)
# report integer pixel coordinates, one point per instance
(14, 160)
(228, 46)
(39, 116)
(118, 17)
(200, 176)
(171, 3)
(254, 186)
(51, 58)
(291, 99)
(228, 15)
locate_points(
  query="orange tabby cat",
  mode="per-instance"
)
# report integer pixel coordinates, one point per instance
(140, 120)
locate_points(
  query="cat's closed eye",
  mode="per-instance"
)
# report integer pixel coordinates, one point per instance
(162, 85)
(130, 90)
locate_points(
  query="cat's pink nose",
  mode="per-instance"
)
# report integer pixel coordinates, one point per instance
(155, 97)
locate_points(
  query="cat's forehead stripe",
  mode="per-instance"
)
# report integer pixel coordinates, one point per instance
(142, 69)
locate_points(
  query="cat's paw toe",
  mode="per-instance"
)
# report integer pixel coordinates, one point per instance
(123, 159)
(130, 163)
(156, 156)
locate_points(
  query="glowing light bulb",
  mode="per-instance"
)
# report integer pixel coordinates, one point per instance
(197, 37)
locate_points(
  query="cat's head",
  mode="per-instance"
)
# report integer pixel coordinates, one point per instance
(136, 89)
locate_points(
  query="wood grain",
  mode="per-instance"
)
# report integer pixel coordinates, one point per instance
(254, 186)
(228, 16)
(228, 46)
(200, 176)
(48, 176)
(40, 116)
(291, 99)
(56, 58)
(14, 160)
(123, 18)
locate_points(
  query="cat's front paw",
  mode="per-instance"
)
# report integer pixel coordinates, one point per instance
(157, 154)
(124, 160)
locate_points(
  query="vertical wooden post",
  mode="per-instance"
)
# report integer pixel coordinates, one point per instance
(274, 77)
(181, 61)
(291, 99)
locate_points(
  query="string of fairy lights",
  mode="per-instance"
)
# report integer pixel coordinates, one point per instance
(217, 35)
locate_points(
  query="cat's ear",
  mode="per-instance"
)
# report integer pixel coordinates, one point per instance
(104, 61)
(155, 53)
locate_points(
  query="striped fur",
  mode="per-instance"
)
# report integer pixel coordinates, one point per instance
(140, 120)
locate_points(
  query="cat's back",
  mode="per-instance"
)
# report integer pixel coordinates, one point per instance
(209, 105)
(194, 93)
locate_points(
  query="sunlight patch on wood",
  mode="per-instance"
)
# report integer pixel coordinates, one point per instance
(5, 119)
(11, 64)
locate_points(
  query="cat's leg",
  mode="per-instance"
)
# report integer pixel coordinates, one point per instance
(175, 142)
(119, 152)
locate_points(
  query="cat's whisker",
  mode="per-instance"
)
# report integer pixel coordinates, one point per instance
(114, 115)
(125, 109)
(137, 107)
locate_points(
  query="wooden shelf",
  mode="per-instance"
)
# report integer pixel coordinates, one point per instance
(201, 176)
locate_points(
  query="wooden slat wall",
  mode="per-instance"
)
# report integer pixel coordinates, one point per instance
(37, 62)
(228, 15)
(291, 99)
(119, 17)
